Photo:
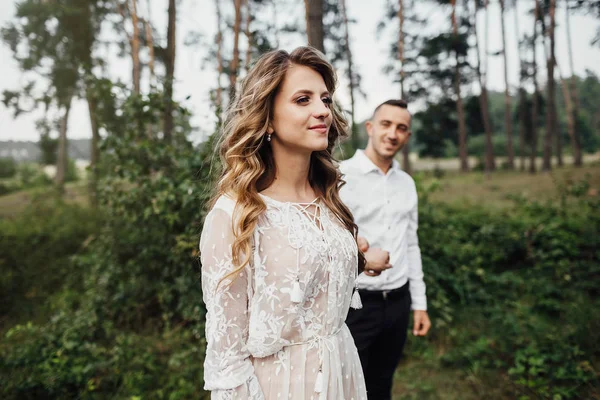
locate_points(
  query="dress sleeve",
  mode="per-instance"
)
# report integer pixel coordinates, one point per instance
(228, 370)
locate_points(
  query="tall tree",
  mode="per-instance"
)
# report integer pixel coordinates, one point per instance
(535, 107)
(126, 9)
(406, 150)
(551, 132)
(314, 24)
(351, 82)
(462, 129)
(248, 34)
(55, 40)
(150, 43)
(507, 105)
(522, 113)
(490, 162)
(568, 99)
(170, 69)
(572, 115)
(235, 61)
(219, 44)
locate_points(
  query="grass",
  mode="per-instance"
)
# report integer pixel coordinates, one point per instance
(14, 203)
(494, 192)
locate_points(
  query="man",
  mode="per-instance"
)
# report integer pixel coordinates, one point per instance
(383, 199)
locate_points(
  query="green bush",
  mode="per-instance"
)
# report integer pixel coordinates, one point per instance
(131, 324)
(8, 167)
(35, 253)
(516, 291)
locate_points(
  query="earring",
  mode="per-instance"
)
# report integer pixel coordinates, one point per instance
(268, 137)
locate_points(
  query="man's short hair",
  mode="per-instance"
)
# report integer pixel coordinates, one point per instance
(392, 102)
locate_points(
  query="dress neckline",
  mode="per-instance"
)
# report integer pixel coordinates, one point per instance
(315, 201)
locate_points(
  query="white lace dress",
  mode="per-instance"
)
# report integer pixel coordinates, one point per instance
(277, 330)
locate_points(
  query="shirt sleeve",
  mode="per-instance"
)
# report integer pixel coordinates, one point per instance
(228, 370)
(415, 265)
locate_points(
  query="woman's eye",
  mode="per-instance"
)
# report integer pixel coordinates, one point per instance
(302, 100)
(327, 100)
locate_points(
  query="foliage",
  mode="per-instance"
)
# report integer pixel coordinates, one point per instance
(130, 320)
(30, 175)
(516, 291)
(36, 250)
(8, 167)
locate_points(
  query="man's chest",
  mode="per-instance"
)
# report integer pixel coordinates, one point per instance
(378, 199)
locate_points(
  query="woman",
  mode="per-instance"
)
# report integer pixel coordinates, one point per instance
(278, 249)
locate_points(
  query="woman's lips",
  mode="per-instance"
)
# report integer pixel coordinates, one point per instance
(322, 128)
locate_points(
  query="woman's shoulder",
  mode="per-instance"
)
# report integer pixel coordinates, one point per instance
(226, 203)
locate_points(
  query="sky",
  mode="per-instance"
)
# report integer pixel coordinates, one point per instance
(195, 77)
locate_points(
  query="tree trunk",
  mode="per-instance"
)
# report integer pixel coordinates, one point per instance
(233, 68)
(522, 95)
(406, 149)
(94, 151)
(249, 37)
(551, 105)
(462, 130)
(135, 47)
(575, 144)
(507, 105)
(314, 23)
(534, 110)
(170, 69)
(353, 127)
(490, 162)
(150, 44)
(575, 140)
(219, 95)
(62, 158)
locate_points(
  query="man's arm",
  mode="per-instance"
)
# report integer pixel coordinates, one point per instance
(421, 322)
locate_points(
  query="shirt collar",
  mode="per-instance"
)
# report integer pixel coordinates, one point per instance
(365, 164)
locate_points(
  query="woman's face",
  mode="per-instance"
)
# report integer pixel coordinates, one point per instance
(301, 115)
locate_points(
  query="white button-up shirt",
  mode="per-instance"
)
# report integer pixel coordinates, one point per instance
(385, 209)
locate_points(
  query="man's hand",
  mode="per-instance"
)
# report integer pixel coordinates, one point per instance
(378, 260)
(421, 323)
(363, 244)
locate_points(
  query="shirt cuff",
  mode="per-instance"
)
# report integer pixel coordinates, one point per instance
(418, 303)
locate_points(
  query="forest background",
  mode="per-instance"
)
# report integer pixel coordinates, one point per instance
(92, 306)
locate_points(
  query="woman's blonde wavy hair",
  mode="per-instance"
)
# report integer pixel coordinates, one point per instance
(247, 158)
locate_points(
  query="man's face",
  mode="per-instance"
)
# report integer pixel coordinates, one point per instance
(389, 130)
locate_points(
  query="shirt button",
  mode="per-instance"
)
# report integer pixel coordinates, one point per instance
(389, 227)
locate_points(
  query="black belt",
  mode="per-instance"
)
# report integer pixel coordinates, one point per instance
(384, 294)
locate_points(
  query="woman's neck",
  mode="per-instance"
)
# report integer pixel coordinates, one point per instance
(291, 180)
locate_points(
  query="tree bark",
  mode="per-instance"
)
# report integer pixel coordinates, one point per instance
(170, 70)
(406, 149)
(233, 68)
(575, 140)
(462, 130)
(135, 47)
(534, 110)
(249, 37)
(219, 40)
(522, 96)
(353, 127)
(314, 24)
(62, 158)
(575, 144)
(94, 151)
(507, 102)
(490, 162)
(150, 45)
(551, 105)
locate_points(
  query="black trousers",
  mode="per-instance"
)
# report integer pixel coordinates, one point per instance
(379, 329)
